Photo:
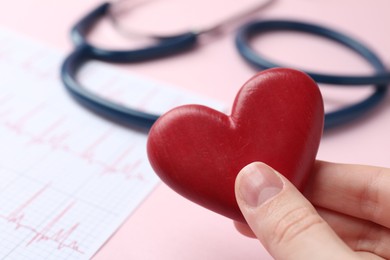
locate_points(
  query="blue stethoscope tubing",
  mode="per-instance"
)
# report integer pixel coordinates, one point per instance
(84, 52)
(166, 46)
(380, 80)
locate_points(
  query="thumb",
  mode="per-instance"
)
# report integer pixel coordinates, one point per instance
(283, 219)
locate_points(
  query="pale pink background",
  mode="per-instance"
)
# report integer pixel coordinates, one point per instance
(166, 226)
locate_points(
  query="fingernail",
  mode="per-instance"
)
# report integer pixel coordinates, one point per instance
(259, 183)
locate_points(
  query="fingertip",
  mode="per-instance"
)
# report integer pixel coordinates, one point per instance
(256, 184)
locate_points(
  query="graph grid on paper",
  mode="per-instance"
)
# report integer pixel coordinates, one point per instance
(68, 179)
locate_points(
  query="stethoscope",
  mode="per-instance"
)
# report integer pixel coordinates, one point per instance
(174, 44)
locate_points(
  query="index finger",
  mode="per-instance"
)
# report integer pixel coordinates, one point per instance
(356, 190)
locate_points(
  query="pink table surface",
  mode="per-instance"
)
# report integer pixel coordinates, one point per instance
(166, 226)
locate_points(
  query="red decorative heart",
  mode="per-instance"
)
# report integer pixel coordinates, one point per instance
(277, 118)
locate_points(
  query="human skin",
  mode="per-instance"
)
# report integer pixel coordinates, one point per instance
(343, 214)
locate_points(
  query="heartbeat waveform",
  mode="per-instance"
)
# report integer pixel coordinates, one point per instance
(127, 170)
(18, 124)
(89, 152)
(53, 137)
(18, 218)
(56, 139)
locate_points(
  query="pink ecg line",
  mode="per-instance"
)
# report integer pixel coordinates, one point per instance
(60, 236)
(20, 122)
(56, 141)
(127, 170)
(89, 152)
(53, 136)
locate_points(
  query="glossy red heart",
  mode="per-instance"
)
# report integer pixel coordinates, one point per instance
(277, 118)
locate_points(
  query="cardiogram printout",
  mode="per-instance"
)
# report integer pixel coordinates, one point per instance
(68, 179)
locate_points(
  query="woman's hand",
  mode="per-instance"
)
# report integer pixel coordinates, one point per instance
(345, 213)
